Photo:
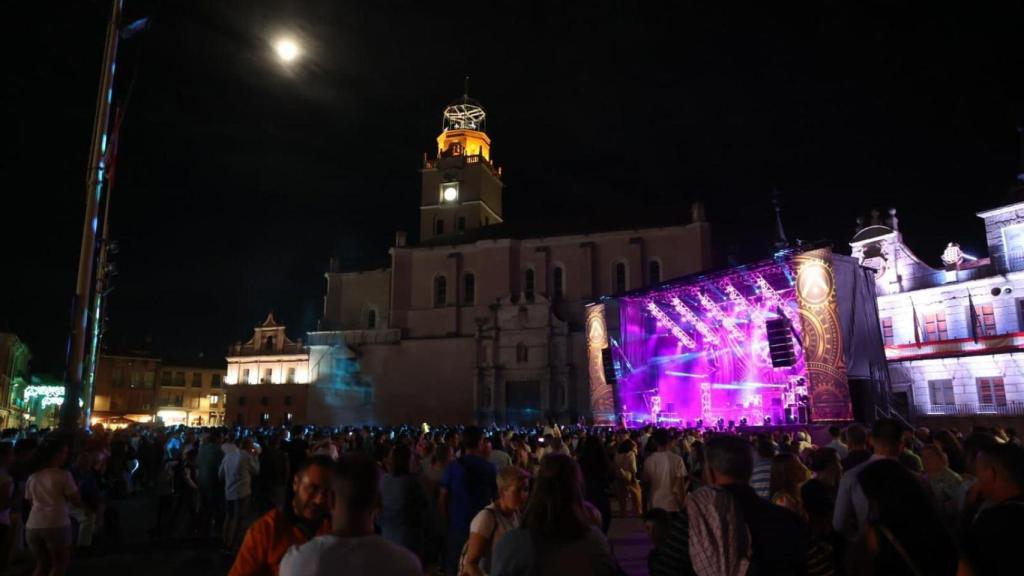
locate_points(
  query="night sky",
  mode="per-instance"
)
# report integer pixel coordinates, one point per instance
(239, 179)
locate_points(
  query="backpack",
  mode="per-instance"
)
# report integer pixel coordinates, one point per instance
(465, 546)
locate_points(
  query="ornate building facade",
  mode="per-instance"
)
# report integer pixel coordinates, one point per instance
(268, 378)
(954, 336)
(482, 320)
(139, 387)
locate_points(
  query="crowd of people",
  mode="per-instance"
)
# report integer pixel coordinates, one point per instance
(470, 501)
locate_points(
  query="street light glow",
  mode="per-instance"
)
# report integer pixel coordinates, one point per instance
(287, 50)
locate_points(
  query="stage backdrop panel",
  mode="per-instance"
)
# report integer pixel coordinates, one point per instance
(822, 336)
(602, 399)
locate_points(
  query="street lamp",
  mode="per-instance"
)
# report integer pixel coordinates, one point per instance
(287, 50)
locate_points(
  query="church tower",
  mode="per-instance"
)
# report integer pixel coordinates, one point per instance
(461, 186)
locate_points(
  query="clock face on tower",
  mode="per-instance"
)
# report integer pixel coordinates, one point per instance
(449, 192)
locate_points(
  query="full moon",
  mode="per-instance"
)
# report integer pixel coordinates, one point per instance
(287, 49)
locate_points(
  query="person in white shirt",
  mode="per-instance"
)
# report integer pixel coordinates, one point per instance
(837, 444)
(236, 470)
(491, 524)
(52, 491)
(352, 548)
(645, 437)
(664, 472)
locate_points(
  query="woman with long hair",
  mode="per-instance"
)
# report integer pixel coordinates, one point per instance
(559, 534)
(627, 485)
(52, 491)
(788, 474)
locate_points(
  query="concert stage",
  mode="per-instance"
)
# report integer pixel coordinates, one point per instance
(697, 351)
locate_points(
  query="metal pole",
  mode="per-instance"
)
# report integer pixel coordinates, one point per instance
(99, 301)
(95, 179)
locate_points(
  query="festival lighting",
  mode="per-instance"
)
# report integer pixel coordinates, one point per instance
(694, 378)
(772, 296)
(667, 322)
(741, 303)
(705, 400)
(717, 314)
(685, 374)
(746, 385)
(689, 316)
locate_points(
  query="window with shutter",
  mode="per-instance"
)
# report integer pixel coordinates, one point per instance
(935, 327)
(991, 391)
(985, 320)
(941, 392)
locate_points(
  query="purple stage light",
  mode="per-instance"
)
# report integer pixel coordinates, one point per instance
(717, 314)
(688, 315)
(717, 378)
(665, 322)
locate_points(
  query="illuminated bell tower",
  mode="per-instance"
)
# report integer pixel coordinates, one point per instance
(461, 186)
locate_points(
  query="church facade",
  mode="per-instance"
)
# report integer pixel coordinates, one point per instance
(481, 320)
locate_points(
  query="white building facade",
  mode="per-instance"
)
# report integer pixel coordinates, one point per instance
(954, 336)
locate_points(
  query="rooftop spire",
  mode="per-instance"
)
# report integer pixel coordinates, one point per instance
(780, 232)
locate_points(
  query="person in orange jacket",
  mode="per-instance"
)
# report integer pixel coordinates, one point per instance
(269, 538)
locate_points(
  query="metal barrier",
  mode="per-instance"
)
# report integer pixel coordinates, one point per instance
(1011, 408)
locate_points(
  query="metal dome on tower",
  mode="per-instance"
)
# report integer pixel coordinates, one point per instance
(463, 129)
(464, 114)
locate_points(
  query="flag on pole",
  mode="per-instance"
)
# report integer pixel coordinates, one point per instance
(974, 317)
(917, 325)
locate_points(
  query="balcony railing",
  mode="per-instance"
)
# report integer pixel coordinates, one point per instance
(1012, 408)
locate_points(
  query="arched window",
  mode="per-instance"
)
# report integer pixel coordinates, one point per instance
(529, 284)
(460, 223)
(469, 288)
(654, 272)
(371, 318)
(619, 283)
(558, 282)
(440, 291)
(268, 344)
(439, 227)
(522, 353)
